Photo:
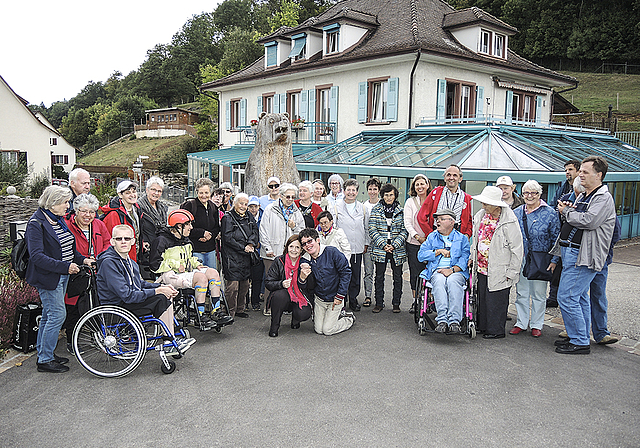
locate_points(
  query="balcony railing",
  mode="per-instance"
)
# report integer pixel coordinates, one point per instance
(152, 126)
(310, 133)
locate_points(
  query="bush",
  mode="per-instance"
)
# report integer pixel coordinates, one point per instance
(37, 184)
(103, 192)
(13, 292)
(12, 174)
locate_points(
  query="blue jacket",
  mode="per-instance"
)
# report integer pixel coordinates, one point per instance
(45, 253)
(460, 252)
(564, 188)
(332, 273)
(118, 284)
(544, 228)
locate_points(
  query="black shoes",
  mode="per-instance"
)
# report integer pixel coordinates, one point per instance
(60, 359)
(242, 314)
(273, 334)
(441, 327)
(552, 303)
(561, 341)
(295, 326)
(355, 307)
(52, 367)
(572, 349)
(396, 308)
(454, 328)
(493, 336)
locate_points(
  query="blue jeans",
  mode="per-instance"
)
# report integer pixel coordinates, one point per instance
(599, 304)
(208, 259)
(572, 297)
(448, 294)
(54, 313)
(537, 291)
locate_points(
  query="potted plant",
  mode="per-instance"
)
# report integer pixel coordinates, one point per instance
(254, 124)
(297, 123)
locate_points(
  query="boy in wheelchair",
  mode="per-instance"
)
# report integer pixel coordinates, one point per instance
(172, 259)
(446, 252)
(119, 283)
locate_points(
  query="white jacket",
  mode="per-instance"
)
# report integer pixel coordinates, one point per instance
(353, 225)
(274, 231)
(338, 239)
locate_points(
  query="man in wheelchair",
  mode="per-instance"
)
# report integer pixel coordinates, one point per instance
(446, 252)
(172, 259)
(119, 283)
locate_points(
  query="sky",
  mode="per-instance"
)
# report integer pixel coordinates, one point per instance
(51, 49)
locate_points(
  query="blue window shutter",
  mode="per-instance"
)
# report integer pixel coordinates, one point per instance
(276, 103)
(333, 26)
(304, 105)
(283, 103)
(243, 112)
(362, 102)
(259, 106)
(441, 108)
(298, 45)
(272, 53)
(312, 105)
(392, 100)
(480, 103)
(227, 106)
(508, 106)
(538, 109)
(333, 104)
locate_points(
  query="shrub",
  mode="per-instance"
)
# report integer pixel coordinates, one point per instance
(13, 292)
(38, 183)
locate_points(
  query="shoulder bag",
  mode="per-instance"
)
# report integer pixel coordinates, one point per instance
(535, 266)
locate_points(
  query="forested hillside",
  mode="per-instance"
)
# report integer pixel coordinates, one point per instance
(560, 34)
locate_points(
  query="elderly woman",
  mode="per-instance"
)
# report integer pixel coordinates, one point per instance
(373, 191)
(509, 195)
(336, 184)
(388, 235)
(540, 227)
(309, 209)
(124, 209)
(227, 198)
(418, 191)
(92, 238)
(154, 218)
(52, 258)
(497, 257)
(206, 224)
(319, 194)
(239, 240)
(291, 284)
(280, 220)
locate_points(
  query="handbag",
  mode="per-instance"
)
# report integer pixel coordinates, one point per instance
(537, 262)
(79, 283)
(253, 256)
(25, 328)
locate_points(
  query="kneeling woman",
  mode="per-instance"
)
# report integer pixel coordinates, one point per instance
(291, 284)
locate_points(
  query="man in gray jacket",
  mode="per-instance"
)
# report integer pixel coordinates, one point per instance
(584, 243)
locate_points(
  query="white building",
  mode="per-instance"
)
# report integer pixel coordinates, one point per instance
(28, 137)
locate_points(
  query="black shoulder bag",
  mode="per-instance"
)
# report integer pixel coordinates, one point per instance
(255, 258)
(535, 266)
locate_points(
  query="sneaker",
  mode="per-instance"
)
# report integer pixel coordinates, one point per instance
(345, 313)
(607, 340)
(70, 348)
(563, 334)
(454, 328)
(183, 344)
(206, 321)
(222, 319)
(267, 312)
(441, 327)
(256, 308)
(396, 308)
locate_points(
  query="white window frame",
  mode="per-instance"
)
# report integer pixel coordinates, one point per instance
(379, 100)
(485, 42)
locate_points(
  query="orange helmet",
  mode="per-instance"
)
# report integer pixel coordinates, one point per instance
(179, 216)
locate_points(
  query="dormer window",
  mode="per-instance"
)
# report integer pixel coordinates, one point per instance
(485, 41)
(331, 35)
(492, 43)
(498, 48)
(271, 50)
(298, 51)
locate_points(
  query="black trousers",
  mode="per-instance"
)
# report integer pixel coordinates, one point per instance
(281, 302)
(257, 274)
(415, 267)
(397, 281)
(356, 278)
(73, 316)
(492, 307)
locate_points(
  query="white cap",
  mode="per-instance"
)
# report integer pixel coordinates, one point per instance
(504, 180)
(125, 184)
(273, 179)
(253, 200)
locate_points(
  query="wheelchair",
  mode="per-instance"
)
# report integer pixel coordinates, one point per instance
(185, 310)
(424, 306)
(110, 341)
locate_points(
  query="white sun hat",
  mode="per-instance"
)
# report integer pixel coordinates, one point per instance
(491, 196)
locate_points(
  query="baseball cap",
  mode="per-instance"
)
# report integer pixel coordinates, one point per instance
(125, 185)
(504, 180)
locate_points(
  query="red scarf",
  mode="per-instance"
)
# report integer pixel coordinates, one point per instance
(291, 271)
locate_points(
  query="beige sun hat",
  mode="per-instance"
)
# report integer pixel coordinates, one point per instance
(491, 196)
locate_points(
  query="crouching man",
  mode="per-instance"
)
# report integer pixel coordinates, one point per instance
(446, 252)
(332, 273)
(120, 283)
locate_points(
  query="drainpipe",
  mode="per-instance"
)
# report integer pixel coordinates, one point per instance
(413, 70)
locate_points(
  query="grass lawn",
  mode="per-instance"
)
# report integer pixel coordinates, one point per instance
(126, 152)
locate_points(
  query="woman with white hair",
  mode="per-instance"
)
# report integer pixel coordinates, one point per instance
(336, 184)
(309, 209)
(280, 220)
(153, 219)
(52, 258)
(540, 226)
(227, 199)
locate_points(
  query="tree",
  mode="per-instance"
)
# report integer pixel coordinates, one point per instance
(240, 50)
(288, 15)
(234, 14)
(91, 94)
(161, 81)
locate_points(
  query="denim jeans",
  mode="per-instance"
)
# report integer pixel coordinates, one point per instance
(599, 304)
(54, 313)
(537, 291)
(368, 273)
(572, 297)
(208, 259)
(448, 294)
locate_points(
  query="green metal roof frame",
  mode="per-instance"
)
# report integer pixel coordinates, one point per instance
(239, 154)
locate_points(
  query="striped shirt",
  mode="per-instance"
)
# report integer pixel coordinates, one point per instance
(66, 242)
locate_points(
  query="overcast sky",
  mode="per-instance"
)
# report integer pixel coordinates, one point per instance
(51, 49)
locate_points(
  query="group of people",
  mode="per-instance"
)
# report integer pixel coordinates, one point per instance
(302, 250)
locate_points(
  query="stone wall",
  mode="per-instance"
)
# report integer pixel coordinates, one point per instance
(14, 209)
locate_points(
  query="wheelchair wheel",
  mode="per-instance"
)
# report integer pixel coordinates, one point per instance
(109, 341)
(152, 330)
(170, 369)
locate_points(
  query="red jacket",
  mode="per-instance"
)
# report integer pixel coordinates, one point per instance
(315, 211)
(430, 206)
(115, 214)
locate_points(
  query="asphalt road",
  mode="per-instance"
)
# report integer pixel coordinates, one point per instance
(379, 384)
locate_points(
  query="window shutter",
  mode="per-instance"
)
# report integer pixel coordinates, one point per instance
(304, 105)
(276, 103)
(538, 109)
(312, 105)
(508, 106)
(392, 100)
(283, 103)
(480, 103)
(227, 109)
(362, 102)
(259, 106)
(442, 101)
(333, 104)
(243, 112)
(272, 53)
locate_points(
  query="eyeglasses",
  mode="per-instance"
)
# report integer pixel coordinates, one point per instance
(155, 190)
(226, 191)
(530, 193)
(85, 212)
(272, 186)
(306, 243)
(289, 197)
(125, 238)
(334, 183)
